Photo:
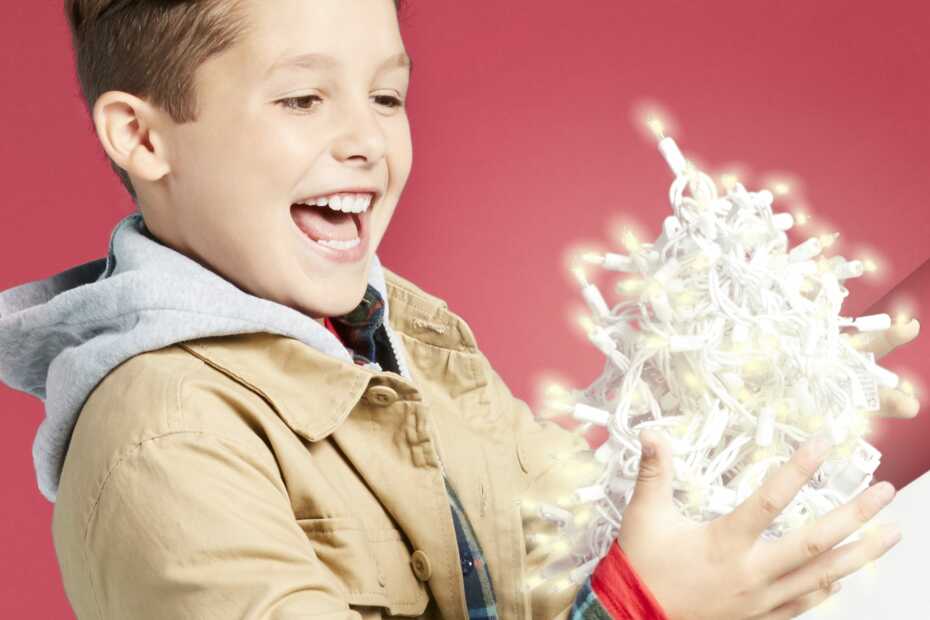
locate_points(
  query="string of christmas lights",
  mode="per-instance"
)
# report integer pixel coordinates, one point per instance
(732, 342)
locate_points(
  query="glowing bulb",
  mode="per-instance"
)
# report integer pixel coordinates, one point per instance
(580, 276)
(534, 581)
(586, 323)
(728, 181)
(768, 341)
(631, 285)
(802, 218)
(869, 265)
(582, 516)
(630, 242)
(559, 546)
(782, 189)
(755, 367)
(692, 381)
(782, 411)
(555, 390)
(656, 126)
(813, 423)
(826, 240)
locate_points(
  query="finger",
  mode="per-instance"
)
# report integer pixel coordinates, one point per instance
(835, 564)
(809, 542)
(897, 404)
(798, 606)
(750, 518)
(654, 482)
(884, 342)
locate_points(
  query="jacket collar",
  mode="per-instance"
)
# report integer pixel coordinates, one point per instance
(268, 363)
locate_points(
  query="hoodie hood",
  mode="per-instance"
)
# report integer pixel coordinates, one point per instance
(60, 336)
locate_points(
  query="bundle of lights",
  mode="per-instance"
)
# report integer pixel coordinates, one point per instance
(732, 343)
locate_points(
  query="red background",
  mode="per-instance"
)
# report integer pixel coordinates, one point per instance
(524, 144)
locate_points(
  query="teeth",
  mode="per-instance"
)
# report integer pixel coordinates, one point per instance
(346, 203)
(339, 245)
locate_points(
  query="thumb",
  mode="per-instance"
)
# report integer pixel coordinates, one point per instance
(654, 482)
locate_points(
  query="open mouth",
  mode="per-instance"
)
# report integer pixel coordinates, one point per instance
(336, 227)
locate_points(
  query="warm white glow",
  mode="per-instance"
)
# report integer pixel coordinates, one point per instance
(728, 181)
(580, 276)
(630, 285)
(630, 242)
(828, 239)
(534, 581)
(720, 351)
(657, 127)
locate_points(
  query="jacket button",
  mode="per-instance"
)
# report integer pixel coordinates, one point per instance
(381, 395)
(381, 579)
(421, 566)
(467, 564)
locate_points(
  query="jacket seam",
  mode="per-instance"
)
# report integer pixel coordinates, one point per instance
(463, 350)
(134, 450)
(215, 361)
(421, 298)
(180, 310)
(90, 578)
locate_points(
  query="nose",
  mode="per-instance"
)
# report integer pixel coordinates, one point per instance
(361, 136)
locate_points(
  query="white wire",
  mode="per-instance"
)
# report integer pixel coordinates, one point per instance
(728, 256)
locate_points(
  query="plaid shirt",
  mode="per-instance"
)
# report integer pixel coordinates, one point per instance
(362, 332)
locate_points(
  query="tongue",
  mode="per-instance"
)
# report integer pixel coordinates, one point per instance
(323, 223)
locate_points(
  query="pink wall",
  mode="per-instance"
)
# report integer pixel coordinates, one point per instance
(524, 144)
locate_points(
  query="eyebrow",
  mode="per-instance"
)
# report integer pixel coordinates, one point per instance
(324, 61)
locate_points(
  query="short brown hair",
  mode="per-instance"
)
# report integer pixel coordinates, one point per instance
(151, 49)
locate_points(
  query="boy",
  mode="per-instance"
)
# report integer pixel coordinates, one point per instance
(247, 416)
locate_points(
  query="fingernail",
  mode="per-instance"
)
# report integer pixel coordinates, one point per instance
(649, 449)
(893, 536)
(836, 587)
(884, 491)
(820, 445)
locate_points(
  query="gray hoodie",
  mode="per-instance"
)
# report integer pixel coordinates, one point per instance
(60, 336)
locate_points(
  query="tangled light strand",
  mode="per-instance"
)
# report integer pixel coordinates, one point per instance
(732, 343)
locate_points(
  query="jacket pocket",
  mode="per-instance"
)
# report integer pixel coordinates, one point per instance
(407, 595)
(372, 566)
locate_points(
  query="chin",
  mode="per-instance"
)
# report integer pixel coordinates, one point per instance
(337, 305)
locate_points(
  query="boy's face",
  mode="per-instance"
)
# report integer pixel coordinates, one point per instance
(253, 153)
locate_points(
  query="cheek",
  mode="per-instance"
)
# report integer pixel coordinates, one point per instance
(402, 151)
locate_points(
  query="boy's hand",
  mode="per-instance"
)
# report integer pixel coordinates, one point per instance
(895, 403)
(722, 569)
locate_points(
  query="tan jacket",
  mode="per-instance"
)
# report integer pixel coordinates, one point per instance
(252, 476)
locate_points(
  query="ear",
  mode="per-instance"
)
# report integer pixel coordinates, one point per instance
(127, 128)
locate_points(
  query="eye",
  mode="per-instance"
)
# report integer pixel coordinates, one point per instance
(393, 102)
(290, 102)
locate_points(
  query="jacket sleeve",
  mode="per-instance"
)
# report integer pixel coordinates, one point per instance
(548, 480)
(156, 546)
